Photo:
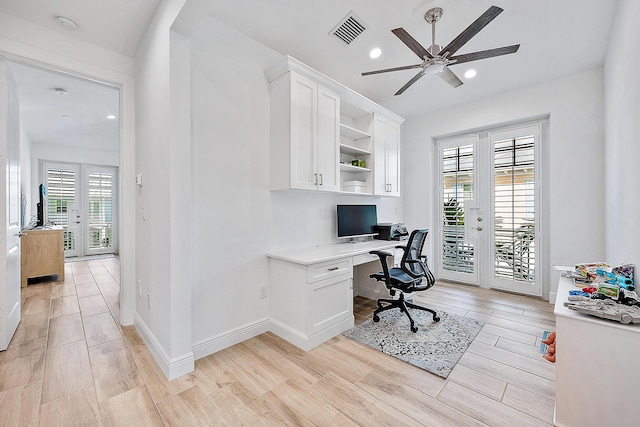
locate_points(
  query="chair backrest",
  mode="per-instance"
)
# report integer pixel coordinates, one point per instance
(412, 252)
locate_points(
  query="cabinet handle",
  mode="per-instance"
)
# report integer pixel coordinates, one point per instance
(321, 181)
(333, 268)
(316, 175)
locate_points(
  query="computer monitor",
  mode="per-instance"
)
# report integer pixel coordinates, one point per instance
(356, 220)
(42, 206)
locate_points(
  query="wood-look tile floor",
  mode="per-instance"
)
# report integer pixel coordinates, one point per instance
(71, 364)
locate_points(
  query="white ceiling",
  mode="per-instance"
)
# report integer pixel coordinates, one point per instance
(557, 37)
(78, 118)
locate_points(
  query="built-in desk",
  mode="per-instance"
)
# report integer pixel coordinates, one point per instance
(597, 373)
(311, 290)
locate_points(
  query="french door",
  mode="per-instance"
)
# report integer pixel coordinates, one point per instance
(81, 198)
(488, 198)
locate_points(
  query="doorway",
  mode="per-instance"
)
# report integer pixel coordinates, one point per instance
(489, 203)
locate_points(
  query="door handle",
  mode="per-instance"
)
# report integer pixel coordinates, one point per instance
(20, 234)
(477, 228)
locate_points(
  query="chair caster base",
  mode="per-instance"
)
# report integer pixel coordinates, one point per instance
(376, 318)
(436, 318)
(414, 329)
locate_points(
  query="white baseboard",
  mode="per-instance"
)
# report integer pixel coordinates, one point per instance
(172, 367)
(212, 345)
(306, 343)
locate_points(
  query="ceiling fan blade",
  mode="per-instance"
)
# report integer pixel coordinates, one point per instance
(410, 82)
(471, 31)
(411, 43)
(474, 56)
(449, 76)
(386, 70)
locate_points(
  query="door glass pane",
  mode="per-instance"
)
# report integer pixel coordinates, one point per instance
(100, 210)
(514, 210)
(457, 167)
(60, 196)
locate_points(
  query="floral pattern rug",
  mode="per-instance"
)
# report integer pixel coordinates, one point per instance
(436, 347)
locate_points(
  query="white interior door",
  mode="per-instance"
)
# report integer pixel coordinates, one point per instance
(10, 209)
(488, 201)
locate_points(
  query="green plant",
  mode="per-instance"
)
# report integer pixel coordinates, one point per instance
(453, 212)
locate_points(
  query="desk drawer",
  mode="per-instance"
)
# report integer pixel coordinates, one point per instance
(326, 270)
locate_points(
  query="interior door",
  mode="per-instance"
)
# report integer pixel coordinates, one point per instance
(488, 201)
(10, 209)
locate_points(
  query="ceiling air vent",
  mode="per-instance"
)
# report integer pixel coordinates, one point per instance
(348, 29)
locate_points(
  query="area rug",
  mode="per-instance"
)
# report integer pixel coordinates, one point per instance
(436, 347)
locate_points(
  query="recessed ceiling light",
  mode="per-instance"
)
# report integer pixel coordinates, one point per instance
(59, 91)
(471, 73)
(111, 117)
(375, 52)
(66, 23)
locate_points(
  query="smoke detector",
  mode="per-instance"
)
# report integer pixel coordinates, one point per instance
(66, 23)
(59, 91)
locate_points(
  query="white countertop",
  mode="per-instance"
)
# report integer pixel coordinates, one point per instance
(564, 286)
(307, 256)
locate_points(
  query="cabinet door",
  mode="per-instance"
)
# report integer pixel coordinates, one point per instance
(328, 140)
(393, 158)
(330, 302)
(379, 154)
(304, 125)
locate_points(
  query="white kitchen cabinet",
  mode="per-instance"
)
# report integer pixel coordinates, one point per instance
(305, 134)
(386, 148)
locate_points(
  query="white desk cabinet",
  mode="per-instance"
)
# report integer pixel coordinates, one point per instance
(386, 145)
(311, 290)
(305, 134)
(310, 304)
(597, 375)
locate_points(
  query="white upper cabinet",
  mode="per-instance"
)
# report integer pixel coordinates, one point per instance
(305, 134)
(386, 137)
(325, 137)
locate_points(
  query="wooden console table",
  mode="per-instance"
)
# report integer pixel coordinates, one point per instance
(42, 253)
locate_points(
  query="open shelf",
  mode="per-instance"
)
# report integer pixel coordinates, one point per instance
(352, 133)
(351, 168)
(353, 151)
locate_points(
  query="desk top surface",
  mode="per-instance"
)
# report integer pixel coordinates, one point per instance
(307, 256)
(565, 284)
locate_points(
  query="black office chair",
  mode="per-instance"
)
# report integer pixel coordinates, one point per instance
(412, 276)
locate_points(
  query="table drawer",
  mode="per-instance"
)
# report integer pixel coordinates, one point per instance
(326, 270)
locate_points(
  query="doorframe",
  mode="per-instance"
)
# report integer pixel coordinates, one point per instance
(541, 180)
(36, 57)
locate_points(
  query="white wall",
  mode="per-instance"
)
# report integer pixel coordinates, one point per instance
(622, 148)
(237, 220)
(573, 176)
(163, 309)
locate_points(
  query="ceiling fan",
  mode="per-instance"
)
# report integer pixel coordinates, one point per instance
(436, 59)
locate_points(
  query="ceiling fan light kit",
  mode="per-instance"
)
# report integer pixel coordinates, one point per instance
(437, 59)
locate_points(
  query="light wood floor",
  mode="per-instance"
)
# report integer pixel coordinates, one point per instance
(70, 364)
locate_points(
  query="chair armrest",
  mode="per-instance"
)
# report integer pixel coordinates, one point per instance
(381, 254)
(383, 263)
